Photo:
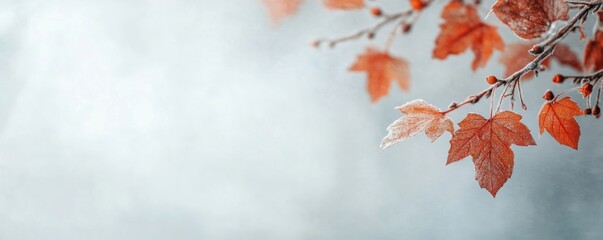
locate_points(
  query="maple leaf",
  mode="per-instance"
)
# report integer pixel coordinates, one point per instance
(419, 116)
(557, 118)
(381, 69)
(344, 4)
(566, 56)
(593, 51)
(488, 141)
(463, 28)
(280, 9)
(530, 18)
(516, 56)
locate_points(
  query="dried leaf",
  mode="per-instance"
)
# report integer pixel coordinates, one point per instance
(557, 118)
(280, 9)
(344, 4)
(463, 28)
(488, 141)
(530, 18)
(419, 116)
(381, 69)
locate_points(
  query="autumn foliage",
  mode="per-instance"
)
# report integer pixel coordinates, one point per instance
(540, 26)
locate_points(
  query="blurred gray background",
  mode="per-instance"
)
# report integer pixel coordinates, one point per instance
(176, 119)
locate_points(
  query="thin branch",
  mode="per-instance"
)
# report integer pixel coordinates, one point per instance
(587, 78)
(548, 47)
(369, 32)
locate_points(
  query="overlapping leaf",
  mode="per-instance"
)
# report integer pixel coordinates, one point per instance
(593, 53)
(419, 116)
(381, 69)
(462, 29)
(516, 56)
(488, 141)
(530, 18)
(557, 118)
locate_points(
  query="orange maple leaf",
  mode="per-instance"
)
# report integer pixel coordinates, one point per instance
(530, 18)
(517, 56)
(381, 69)
(344, 4)
(593, 51)
(557, 117)
(488, 141)
(280, 9)
(463, 28)
(419, 116)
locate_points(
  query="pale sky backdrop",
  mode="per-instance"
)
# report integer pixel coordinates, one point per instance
(196, 119)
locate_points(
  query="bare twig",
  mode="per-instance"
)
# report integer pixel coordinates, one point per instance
(369, 32)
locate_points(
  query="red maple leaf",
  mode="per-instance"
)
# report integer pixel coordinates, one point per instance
(463, 28)
(593, 52)
(344, 4)
(517, 56)
(530, 18)
(488, 141)
(381, 69)
(557, 118)
(419, 116)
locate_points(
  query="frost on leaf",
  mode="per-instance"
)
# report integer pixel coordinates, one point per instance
(530, 18)
(280, 9)
(463, 28)
(516, 56)
(557, 118)
(381, 69)
(593, 52)
(344, 4)
(419, 116)
(488, 141)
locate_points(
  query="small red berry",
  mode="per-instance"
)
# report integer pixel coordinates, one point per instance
(548, 95)
(491, 80)
(370, 35)
(406, 27)
(586, 89)
(587, 111)
(536, 49)
(558, 78)
(596, 110)
(376, 11)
